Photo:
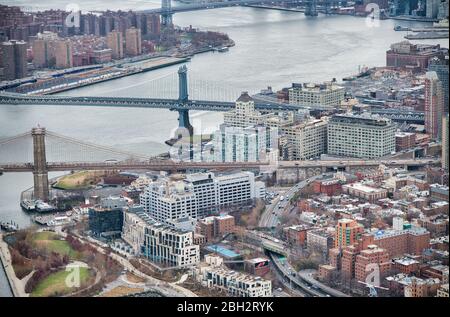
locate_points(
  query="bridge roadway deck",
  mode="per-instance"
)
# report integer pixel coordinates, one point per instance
(224, 4)
(160, 166)
(134, 102)
(175, 104)
(173, 165)
(356, 163)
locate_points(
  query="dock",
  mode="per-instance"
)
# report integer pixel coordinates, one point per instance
(59, 84)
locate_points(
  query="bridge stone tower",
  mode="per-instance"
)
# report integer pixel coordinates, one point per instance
(185, 130)
(40, 171)
(311, 8)
(166, 13)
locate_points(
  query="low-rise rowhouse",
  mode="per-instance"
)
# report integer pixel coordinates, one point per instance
(319, 239)
(360, 190)
(235, 283)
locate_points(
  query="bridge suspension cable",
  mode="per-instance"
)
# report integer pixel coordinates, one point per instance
(18, 148)
(89, 151)
(14, 138)
(164, 86)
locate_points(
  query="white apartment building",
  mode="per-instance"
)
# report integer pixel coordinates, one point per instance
(311, 95)
(169, 199)
(362, 136)
(205, 189)
(306, 140)
(236, 188)
(237, 144)
(198, 195)
(235, 283)
(244, 115)
(158, 242)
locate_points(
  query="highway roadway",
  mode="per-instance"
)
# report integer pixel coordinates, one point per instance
(357, 162)
(298, 282)
(270, 217)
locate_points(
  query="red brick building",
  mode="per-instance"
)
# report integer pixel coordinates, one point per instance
(372, 255)
(406, 265)
(296, 235)
(404, 141)
(399, 242)
(329, 187)
(404, 54)
(348, 262)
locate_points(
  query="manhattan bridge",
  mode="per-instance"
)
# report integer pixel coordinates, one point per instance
(41, 151)
(310, 7)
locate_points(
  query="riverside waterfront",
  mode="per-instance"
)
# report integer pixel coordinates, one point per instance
(273, 48)
(5, 289)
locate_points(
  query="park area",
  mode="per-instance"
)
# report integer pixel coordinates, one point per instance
(79, 180)
(47, 262)
(55, 283)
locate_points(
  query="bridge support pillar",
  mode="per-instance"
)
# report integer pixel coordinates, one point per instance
(185, 131)
(40, 171)
(166, 13)
(311, 9)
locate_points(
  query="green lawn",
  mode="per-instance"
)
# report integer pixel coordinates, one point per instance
(55, 284)
(78, 180)
(50, 241)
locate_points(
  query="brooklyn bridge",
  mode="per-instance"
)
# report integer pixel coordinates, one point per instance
(40, 151)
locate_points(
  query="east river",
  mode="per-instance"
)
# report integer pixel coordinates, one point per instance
(273, 48)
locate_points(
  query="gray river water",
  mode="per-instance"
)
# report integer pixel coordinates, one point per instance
(272, 48)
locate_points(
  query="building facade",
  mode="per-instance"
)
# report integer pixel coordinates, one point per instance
(237, 144)
(405, 54)
(307, 139)
(108, 217)
(199, 194)
(13, 60)
(114, 41)
(169, 200)
(361, 136)
(348, 232)
(133, 42)
(434, 105)
(236, 284)
(158, 242)
(445, 148)
(440, 66)
(327, 94)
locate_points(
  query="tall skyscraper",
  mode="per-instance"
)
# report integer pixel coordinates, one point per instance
(63, 54)
(440, 66)
(13, 59)
(445, 142)
(434, 105)
(115, 42)
(44, 49)
(133, 45)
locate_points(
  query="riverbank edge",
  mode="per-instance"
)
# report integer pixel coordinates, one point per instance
(15, 284)
(131, 73)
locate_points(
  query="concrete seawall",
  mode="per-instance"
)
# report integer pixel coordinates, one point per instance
(15, 284)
